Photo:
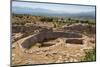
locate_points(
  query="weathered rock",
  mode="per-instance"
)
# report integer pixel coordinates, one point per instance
(58, 61)
(30, 52)
(13, 55)
(13, 58)
(66, 61)
(13, 46)
(30, 61)
(16, 37)
(38, 44)
(75, 60)
(46, 44)
(71, 60)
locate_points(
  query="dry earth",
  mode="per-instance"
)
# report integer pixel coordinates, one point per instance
(57, 50)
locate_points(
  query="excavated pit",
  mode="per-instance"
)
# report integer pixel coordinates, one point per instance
(74, 40)
(45, 36)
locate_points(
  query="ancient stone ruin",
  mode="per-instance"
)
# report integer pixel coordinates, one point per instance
(49, 45)
(49, 35)
(81, 28)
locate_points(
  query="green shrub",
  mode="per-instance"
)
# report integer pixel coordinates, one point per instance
(90, 55)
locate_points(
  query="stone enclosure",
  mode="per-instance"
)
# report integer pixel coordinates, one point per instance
(50, 35)
(51, 45)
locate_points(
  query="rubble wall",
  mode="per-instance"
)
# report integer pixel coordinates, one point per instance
(40, 37)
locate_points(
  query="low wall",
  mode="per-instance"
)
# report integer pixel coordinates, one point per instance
(91, 29)
(42, 36)
(24, 29)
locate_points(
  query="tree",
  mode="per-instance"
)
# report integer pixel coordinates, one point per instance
(69, 19)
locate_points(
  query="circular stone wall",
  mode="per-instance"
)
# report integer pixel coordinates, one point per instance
(42, 36)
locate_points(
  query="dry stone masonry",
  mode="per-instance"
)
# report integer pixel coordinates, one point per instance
(49, 35)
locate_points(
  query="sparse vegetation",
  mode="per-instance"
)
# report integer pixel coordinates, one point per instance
(22, 19)
(90, 55)
(28, 25)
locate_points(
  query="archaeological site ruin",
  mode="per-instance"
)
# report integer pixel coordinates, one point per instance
(43, 38)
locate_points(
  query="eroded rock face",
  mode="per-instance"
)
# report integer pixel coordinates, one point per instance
(48, 35)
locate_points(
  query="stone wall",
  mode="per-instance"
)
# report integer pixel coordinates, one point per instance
(24, 29)
(47, 35)
(91, 29)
